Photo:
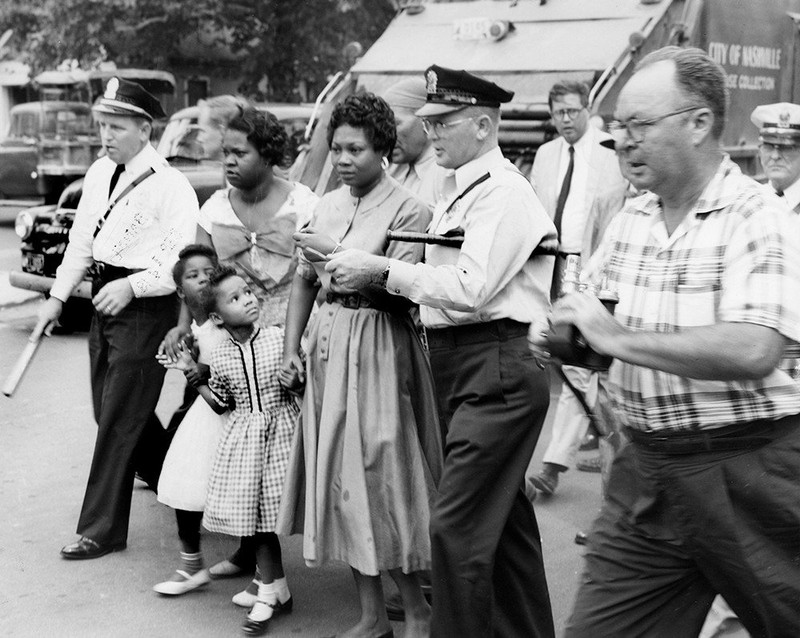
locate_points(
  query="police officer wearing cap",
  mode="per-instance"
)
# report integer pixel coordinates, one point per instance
(134, 216)
(779, 148)
(477, 303)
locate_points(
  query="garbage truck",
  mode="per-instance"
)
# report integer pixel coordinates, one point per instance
(528, 45)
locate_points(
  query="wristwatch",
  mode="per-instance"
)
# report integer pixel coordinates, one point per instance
(384, 276)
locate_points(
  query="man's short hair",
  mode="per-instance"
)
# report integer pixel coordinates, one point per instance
(568, 87)
(699, 76)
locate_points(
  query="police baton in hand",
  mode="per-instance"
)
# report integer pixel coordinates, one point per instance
(21, 365)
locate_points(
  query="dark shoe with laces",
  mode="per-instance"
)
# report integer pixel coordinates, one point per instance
(86, 548)
(546, 481)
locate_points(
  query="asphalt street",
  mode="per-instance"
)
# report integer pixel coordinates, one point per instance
(46, 439)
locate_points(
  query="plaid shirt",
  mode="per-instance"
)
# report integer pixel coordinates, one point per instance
(734, 258)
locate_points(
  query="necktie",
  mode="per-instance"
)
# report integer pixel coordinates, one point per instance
(779, 192)
(119, 170)
(562, 196)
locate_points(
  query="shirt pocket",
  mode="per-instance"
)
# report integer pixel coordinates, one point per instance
(696, 304)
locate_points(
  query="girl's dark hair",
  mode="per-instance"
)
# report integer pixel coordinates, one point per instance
(264, 132)
(370, 113)
(208, 294)
(192, 250)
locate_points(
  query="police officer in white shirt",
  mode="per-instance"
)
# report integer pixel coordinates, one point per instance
(477, 303)
(779, 148)
(135, 215)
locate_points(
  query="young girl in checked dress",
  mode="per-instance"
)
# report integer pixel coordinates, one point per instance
(247, 475)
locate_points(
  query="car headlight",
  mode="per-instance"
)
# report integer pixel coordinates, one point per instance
(23, 225)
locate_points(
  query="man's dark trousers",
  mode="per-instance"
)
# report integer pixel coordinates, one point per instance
(679, 526)
(126, 383)
(488, 575)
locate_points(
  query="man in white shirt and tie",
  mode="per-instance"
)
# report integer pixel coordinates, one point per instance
(779, 148)
(135, 215)
(569, 175)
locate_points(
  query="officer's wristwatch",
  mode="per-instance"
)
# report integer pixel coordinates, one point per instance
(383, 279)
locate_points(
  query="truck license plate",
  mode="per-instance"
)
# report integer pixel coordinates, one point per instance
(35, 263)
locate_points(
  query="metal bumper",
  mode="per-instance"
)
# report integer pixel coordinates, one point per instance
(40, 283)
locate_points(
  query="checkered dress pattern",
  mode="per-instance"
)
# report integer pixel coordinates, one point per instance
(247, 475)
(734, 258)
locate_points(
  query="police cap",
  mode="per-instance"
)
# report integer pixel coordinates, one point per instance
(123, 97)
(450, 90)
(778, 123)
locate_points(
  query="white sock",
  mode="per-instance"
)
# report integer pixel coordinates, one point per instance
(282, 589)
(266, 596)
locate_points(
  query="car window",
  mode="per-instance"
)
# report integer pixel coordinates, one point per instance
(71, 123)
(24, 125)
(180, 139)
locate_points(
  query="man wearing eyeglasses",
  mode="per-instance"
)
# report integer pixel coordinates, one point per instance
(779, 148)
(704, 498)
(569, 175)
(477, 303)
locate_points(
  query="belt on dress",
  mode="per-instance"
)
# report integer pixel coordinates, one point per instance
(101, 273)
(740, 436)
(355, 301)
(472, 333)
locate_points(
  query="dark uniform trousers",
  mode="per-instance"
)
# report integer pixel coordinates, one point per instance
(488, 574)
(126, 384)
(690, 516)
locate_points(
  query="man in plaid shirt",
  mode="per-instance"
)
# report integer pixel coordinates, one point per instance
(704, 499)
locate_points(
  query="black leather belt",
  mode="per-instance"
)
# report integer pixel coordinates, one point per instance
(101, 272)
(356, 301)
(353, 300)
(471, 333)
(741, 436)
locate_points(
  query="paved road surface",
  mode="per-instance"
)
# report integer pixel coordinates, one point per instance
(46, 439)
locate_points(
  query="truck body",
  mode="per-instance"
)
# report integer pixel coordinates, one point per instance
(528, 45)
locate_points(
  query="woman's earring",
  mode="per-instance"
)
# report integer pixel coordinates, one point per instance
(384, 162)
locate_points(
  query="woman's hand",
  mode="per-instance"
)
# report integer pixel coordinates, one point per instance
(292, 374)
(315, 245)
(169, 347)
(183, 360)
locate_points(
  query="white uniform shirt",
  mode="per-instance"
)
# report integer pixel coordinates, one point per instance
(491, 276)
(146, 229)
(791, 195)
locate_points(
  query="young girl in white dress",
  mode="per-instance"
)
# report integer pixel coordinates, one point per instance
(249, 468)
(184, 477)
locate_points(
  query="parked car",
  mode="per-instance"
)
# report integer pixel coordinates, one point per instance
(44, 230)
(34, 124)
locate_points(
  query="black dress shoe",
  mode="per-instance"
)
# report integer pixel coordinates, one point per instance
(86, 548)
(255, 627)
(259, 627)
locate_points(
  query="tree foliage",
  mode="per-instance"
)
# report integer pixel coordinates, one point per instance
(285, 41)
